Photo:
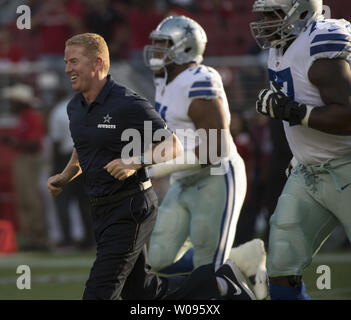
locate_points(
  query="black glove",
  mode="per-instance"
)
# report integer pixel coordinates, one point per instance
(276, 104)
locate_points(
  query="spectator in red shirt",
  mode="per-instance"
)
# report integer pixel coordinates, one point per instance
(9, 51)
(27, 141)
(56, 20)
(142, 18)
(103, 18)
(223, 8)
(181, 8)
(220, 12)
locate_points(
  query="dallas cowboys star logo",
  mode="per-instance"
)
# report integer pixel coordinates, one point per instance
(188, 29)
(107, 118)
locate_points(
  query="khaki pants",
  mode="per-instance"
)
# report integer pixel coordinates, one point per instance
(28, 200)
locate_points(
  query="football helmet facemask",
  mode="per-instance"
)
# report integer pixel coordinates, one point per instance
(290, 19)
(184, 40)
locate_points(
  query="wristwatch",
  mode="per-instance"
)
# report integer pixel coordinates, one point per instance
(142, 160)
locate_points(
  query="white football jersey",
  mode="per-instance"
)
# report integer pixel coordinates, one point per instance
(328, 39)
(172, 102)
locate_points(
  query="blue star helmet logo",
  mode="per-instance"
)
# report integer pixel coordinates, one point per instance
(188, 29)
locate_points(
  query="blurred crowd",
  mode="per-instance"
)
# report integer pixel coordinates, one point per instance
(124, 24)
(35, 91)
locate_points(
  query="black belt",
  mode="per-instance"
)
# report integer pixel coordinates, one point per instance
(100, 201)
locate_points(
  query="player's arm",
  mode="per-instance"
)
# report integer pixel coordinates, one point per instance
(209, 114)
(332, 77)
(160, 152)
(57, 182)
(163, 151)
(206, 114)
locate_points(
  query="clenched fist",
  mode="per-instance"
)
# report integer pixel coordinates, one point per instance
(55, 184)
(277, 105)
(120, 169)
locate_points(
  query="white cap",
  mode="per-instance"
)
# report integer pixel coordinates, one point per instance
(21, 93)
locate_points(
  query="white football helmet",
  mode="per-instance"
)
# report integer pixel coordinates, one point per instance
(185, 42)
(292, 17)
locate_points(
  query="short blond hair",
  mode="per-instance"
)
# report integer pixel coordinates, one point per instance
(94, 45)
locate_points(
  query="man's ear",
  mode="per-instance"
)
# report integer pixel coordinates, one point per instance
(99, 64)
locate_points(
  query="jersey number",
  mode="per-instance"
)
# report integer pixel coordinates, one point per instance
(284, 80)
(161, 110)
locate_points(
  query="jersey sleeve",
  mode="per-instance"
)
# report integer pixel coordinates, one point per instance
(330, 39)
(204, 83)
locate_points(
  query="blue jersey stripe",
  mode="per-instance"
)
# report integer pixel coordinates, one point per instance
(157, 106)
(327, 48)
(198, 93)
(198, 84)
(330, 36)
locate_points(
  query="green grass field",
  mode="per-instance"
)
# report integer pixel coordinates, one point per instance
(61, 276)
